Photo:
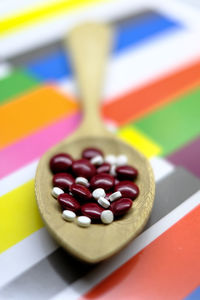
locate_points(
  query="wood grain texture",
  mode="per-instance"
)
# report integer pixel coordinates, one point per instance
(89, 45)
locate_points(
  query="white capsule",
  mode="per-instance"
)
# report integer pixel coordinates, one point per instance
(97, 160)
(103, 202)
(82, 180)
(111, 159)
(113, 170)
(121, 160)
(68, 215)
(56, 191)
(98, 193)
(83, 221)
(107, 216)
(115, 196)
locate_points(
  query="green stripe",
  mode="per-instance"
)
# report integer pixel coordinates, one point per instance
(15, 84)
(174, 124)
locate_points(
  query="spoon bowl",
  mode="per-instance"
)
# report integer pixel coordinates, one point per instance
(99, 241)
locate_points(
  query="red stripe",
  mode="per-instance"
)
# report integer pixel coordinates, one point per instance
(141, 101)
(168, 268)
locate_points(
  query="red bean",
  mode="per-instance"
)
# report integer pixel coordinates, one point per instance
(81, 192)
(104, 168)
(91, 152)
(63, 181)
(126, 173)
(121, 206)
(83, 168)
(61, 163)
(92, 210)
(67, 201)
(128, 189)
(102, 180)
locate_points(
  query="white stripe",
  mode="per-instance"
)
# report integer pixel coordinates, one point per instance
(133, 69)
(143, 65)
(56, 27)
(161, 167)
(18, 178)
(5, 70)
(25, 254)
(86, 283)
(67, 86)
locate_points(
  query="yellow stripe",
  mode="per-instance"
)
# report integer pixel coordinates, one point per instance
(19, 215)
(41, 13)
(139, 141)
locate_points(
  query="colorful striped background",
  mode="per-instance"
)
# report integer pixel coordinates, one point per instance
(159, 116)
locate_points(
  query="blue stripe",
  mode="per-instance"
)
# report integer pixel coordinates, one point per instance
(128, 34)
(195, 295)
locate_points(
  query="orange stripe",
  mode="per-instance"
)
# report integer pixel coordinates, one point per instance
(138, 102)
(168, 268)
(32, 111)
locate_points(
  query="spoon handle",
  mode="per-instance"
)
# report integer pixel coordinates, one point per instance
(89, 46)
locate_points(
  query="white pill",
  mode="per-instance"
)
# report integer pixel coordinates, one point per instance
(115, 196)
(56, 191)
(82, 180)
(113, 170)
(111, 159)
(121, 160)
(98, 193)
(68, 215)
(107, 216)
(97, 160)
(103, 202)
(83, 221)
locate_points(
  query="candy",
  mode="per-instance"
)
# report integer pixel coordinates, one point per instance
(97, 160)
(83, 221)
(68, 215)
(103, 202)
(121, 160)
(128, 189)
(98, 193)
(68, 202)
(107, 216)
(104, 168)
(111, 159)
(121, 206)
(56, 191)
(114, 196)
(63, 181)
(92, 210)
(61, 163)
(83, 168)
(78, 183)
(91, 152)
(82, 180)
(81, 192)
(126, 173)
(102, 180)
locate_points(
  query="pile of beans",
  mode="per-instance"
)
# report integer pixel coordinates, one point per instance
(95, 188)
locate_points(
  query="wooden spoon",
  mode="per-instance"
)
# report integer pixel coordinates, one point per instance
(89, 45)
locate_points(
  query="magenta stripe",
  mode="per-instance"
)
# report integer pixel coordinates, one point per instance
(23, 152)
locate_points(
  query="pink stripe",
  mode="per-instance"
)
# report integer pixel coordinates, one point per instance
(23, 152)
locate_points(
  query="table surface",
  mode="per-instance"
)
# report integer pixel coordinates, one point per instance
(150, 100)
